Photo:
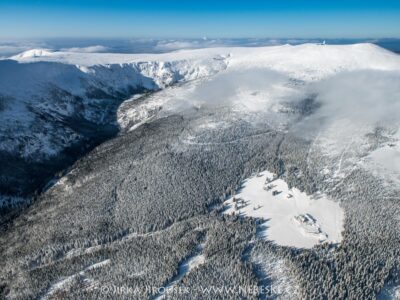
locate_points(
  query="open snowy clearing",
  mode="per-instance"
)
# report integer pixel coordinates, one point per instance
(390, 292)
(292, 218)
(384, 162)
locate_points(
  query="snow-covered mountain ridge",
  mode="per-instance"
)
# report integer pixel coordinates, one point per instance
(310, 59)
(50, 107)
(52, 101)
(61, 90)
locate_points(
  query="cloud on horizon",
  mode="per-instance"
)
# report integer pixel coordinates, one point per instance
(89, 49)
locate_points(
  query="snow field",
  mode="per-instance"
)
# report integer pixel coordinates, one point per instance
(292, 218)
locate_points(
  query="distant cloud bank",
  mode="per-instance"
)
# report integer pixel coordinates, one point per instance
(89, 49)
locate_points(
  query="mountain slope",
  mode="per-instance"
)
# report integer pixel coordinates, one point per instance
(323, 119)
(54, 112)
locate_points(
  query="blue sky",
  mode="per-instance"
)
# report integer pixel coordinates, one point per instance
(194, 19)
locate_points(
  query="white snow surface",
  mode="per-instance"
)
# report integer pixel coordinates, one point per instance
(258, 80)
(253, 81)
(32, 54)
(384, 162)
(309, 61)
(52, 84)
(280, 212)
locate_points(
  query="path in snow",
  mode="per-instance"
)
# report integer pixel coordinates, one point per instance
(184, 268)
(64, 283)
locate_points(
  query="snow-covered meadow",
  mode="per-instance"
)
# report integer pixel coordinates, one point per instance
(291, 217)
